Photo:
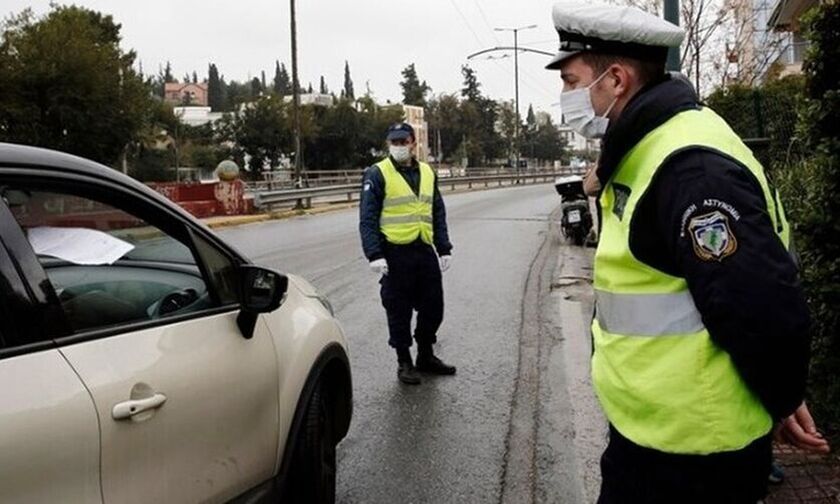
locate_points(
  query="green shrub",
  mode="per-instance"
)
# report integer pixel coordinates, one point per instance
(811, 190)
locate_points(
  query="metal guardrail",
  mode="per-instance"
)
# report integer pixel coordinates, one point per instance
(269, 198)
(284, 179)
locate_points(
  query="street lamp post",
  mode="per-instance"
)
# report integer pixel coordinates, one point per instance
(296, 105)
(516, 86)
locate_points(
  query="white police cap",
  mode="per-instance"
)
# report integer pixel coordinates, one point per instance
(611, 29)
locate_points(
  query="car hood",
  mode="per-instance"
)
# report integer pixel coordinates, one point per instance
(305, 288)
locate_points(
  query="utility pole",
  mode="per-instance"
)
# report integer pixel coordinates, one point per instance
(296, 106)
(516, 87)
(671, 9)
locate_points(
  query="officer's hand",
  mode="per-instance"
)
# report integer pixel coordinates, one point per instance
(445, 262)
(800, 430)
(379, 266)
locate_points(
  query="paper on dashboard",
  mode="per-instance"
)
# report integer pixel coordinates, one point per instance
(78, 245)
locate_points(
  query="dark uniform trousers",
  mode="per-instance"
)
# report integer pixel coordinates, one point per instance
(635, 474)
(413, 283)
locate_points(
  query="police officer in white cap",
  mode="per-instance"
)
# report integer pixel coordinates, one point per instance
(701, 329)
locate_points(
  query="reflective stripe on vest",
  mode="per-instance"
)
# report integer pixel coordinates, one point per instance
(406, 199)
(406, 216)
(662, 381)
(405, 219)
(647, 314)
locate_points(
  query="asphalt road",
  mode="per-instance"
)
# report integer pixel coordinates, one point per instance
(518, 422)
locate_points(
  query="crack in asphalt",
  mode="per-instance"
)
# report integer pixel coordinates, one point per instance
(519, 470)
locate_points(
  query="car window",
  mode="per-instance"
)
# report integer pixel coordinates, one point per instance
(108, 267)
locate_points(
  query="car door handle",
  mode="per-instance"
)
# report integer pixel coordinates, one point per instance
(127, 409)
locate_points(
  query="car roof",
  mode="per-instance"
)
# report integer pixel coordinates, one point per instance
(25, 156)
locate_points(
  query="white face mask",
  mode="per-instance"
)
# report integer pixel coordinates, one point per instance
(401, 153)
(579, 113)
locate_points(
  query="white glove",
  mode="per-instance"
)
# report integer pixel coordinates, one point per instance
(379, 266)
(445, 262)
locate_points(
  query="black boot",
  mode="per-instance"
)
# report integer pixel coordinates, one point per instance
(407, 373)
(428, 363)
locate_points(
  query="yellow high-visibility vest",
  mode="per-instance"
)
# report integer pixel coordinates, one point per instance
(661, 380)
(405, 215)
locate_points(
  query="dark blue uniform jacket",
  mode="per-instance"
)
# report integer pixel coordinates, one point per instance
(751, 301)
(370, 209)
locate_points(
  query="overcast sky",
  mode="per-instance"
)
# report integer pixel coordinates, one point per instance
(379, 38)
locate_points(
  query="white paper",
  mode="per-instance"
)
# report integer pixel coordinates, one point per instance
(78, 245)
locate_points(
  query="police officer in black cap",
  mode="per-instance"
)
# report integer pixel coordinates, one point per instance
(701, 328)
(405, 238)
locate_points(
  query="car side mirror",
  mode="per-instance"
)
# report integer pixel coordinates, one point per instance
(261, 290)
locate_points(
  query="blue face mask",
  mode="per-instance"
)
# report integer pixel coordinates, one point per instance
(579, 113)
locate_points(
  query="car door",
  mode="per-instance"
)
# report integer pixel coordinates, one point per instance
(49, 440)
(187, 406)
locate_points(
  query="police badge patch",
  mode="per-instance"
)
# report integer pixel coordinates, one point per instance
(712, 237)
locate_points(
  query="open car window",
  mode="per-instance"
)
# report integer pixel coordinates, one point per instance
(107, 266)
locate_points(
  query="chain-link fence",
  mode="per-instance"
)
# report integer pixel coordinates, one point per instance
(766, 118)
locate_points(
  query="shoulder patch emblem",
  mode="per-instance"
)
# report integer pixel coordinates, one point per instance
(367, 186)
(712, 237)
(622, 194)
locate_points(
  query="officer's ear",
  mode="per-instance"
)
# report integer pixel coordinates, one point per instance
(621, 79)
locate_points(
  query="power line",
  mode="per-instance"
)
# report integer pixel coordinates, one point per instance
(495, 61)
(486, 22)
(466, 23)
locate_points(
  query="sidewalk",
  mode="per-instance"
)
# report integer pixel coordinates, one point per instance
(808, 478)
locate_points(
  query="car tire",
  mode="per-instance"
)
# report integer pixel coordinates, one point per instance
(314, 462)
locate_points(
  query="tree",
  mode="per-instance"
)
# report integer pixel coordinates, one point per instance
(472, 88)
(478, 115)
(256, 88)
(262, 81)
(548, 145)
(310, 90)
(323, 89)
(446, 124)
(507, 126)
(282, 81)
(348, 83)
(810, 191)
(167, 74)
(414, 92)
(531, 119)
(237, 93)
(348, 137)
(261, 130)
(215, 98)
(66, 84)
(194, 78)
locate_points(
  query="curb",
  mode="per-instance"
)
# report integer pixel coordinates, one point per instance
(241, 220)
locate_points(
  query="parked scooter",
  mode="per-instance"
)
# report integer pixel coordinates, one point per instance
(576, 221)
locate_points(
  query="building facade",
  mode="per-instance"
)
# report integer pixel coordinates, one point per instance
(185, 94)
(416, 117)
(785, 18)
(196, 116)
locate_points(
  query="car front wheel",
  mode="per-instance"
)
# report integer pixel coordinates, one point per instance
(314, 466)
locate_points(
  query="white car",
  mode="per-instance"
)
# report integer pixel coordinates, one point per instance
(142, 359)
